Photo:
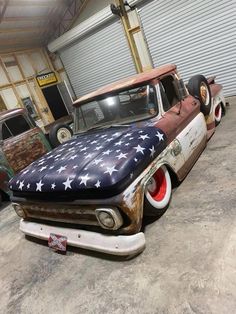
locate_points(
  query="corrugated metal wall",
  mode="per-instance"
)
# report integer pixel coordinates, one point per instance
(100, 58)
(199, 36)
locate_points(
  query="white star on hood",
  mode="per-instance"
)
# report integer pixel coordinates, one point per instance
(61, 169)
(127, 135)
(139, 149)
(98, 147)
(118, 143)
(84, 180)
(143, 137)
(110, 170)
(43, 168)
(98, 184)
(107, 152)
(121, 155)
(97, 161)
(116, 134)
(21, 185)
(152, 150)
(39, 186)
(67, 183)
(109, 140)
(160, 136)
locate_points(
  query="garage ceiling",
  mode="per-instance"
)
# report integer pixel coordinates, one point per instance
(32, 23)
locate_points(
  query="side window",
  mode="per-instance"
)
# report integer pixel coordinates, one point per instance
(91, 114)
(17, 125)
(5, 132)
(80, 119)
(168, 92)
(138, 101)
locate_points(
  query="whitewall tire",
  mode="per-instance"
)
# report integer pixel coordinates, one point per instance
(158, 193)
(218, 114)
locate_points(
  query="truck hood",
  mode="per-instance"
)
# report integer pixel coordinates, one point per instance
(100, 161)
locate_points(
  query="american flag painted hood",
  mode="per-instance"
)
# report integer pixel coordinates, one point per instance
(101, 160)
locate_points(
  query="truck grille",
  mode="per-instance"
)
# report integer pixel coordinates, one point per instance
(62, 213)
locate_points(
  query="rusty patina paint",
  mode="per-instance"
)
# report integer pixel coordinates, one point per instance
(178, 117)
(130, 202)
(132, 205)
(22, 150)
(84, 214)
(19, 151)
(131, 81)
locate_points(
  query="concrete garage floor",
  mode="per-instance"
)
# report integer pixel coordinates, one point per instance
(189, 265)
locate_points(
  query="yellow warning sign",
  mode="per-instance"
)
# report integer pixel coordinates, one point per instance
(46, 79)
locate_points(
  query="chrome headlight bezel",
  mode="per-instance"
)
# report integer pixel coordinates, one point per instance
(113, 213)
(19, 210)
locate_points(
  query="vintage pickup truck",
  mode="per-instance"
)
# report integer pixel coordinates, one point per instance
(132, 138)
(21, 142)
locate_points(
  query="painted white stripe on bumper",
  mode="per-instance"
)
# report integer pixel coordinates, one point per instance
(116, 245)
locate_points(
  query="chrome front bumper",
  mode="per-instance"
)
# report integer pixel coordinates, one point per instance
(122, 245)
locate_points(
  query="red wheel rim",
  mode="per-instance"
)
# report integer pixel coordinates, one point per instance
(217, 111)
(159, 186)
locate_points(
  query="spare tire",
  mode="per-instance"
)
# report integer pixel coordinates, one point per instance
(59, 134)
(199, 88)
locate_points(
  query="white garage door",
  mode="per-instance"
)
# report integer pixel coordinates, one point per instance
(100, 58)
(199, 36)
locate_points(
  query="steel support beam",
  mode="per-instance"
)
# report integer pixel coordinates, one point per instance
(129, 32)
(5, 4)
(66, 19)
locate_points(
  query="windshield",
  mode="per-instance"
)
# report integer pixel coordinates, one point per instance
(121, 108)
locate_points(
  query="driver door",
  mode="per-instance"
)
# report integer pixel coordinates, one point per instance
(182, 122)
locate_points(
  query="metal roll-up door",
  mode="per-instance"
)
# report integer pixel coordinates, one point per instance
(100, 58)
(198, 36)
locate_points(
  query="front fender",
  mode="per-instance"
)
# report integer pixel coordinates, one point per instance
(5, 176)
(132, 199)
(6, 173)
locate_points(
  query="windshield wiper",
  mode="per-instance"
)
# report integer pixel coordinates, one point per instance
(97, 127)
(119, 125)
(108, 126)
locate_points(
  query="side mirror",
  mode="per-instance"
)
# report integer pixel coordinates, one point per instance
(180, 89)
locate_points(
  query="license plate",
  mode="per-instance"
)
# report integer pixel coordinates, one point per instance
(57, 242)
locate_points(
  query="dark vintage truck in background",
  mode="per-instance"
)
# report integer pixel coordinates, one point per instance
(21, 142)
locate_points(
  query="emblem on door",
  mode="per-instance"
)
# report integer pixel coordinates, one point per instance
(176, 148)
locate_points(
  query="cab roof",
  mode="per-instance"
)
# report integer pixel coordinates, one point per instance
(128, 82)
(10, 113)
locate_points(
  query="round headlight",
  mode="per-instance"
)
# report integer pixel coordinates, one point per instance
(19, 210)
(109, 218)
(106, 219)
